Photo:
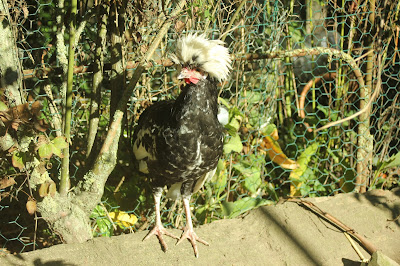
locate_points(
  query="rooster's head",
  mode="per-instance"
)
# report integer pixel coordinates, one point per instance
(201, 57)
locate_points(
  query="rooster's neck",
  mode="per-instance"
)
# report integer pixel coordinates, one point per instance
(197, 101)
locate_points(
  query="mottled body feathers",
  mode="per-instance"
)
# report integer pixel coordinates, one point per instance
(180, 141)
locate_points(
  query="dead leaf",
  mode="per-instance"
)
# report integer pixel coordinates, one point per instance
(47, 188)
(42, 167)
(179, 26)
(36, 108)
(275, 153)
(43, 189)
(52, 189)
(41, 125)
(24, 114)
(25, 11)
(6, 182)
(31, 206)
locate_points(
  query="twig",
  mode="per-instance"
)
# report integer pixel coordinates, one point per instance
(368, 246)
(362, 258)
(108, 216)
(53, 110)
(395, 219)
(119, 184)
(233, 18)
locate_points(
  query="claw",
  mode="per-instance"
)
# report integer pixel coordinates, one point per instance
(159, 230)
(188, 232)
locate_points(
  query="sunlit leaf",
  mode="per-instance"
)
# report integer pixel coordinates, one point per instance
(57, 151)
(233, 144)
(393, 161)
(299, 175)
(60, 142)
(276, 154)
(252, 176)
(46, 150)
(104, 226)
(123, 219)
(220, 179)
(233, 209)
(3, 106)
(234, 123)
(98, 211)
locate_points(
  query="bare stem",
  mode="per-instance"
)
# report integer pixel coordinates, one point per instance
(64, 183)
(97, 76)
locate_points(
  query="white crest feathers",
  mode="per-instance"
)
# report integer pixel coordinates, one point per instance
(208, 55)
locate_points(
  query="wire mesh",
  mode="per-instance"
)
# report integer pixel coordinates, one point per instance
(271, 151)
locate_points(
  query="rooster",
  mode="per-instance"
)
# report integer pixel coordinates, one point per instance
(178, 143)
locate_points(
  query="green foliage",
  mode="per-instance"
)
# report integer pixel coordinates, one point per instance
(382, 166)
(240, 206)
(233, 144)
(103, 226)
(200, 8)
(250, 171)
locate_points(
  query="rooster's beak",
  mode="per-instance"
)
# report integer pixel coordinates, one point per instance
(185, 74)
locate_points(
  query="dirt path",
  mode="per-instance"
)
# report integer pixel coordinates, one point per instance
(286, 234)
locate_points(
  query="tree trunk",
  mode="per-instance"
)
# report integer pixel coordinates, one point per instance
(10, 68)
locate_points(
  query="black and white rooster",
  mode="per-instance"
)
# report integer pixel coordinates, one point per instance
(178, 143)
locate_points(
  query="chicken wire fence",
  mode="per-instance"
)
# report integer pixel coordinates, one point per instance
(291, 75)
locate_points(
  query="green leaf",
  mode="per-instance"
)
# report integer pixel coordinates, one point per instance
(304, 159)
(234, 123)
(233, 209)
(233, 144)
(98, 211)
(224, 102)
(252, 176)
(269, 187)
(104, 226)
(201, 213)
(269, 129)
(46, 150)
(393, 161)
(18, 160)
(220, 179)
(300, 175)
(56, 151)
(60, 142)
(3, 106)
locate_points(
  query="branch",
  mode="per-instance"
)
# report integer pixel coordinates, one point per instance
(103, 11)
(306, 89)
(368, 246)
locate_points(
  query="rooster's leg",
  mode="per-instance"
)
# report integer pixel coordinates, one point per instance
(159, 229)
(188, 231)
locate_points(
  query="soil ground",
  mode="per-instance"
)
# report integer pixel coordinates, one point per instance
(285, 234)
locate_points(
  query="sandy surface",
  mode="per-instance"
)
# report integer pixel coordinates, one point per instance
(285, 234)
